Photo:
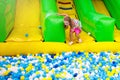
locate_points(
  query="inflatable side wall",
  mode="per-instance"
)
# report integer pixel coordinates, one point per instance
(100, 26)
(7, 17)
(52, 24)
(114, 7)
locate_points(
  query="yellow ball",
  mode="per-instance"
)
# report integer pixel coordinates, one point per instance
(86, 75)
(49, 78)
(8, 66)
(6, 72)
(53, 71)
(109, 73)
(22, 69)
(57, 75)
(18, 55)
(64, 66)
(37, 72)
(47, 70)
(22, 78)
(107, 78)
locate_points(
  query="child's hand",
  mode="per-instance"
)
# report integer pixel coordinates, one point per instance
(63, 14)
(71, 42)
(80, 40)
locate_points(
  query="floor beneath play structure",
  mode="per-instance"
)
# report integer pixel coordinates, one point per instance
(27, 34)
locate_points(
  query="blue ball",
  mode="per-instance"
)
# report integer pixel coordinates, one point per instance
(114, 63)
(2, 78)
(61, 63)
(81, 53)
(26, 35)
(52, 55)
(53, 77)
(75, 75)
(24, 56)
(49, 60)
(40, 54)
(56, 66)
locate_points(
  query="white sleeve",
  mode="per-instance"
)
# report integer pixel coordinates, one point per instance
(80, 23)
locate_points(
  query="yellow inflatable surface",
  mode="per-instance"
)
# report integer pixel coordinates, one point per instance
(27, 21)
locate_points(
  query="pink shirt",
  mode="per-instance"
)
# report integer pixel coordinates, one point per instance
(77, 26)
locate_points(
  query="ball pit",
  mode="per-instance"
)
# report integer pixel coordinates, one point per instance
(64, 66)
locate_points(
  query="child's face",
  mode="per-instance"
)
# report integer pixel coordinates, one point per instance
(66, 23)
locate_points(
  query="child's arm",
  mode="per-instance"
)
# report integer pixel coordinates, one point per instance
(62, 14)
(71, 35)
(79, 25)
(71, 38)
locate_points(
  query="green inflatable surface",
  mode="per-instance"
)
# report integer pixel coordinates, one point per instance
(52, 24)
(7, 17)
(100, 26)
(113, 7)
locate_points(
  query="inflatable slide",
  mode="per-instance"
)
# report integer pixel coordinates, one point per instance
(34, 26)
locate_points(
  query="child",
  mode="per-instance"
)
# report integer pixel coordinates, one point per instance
(75, 26)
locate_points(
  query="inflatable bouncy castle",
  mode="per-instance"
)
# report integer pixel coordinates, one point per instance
(31, 25)
(34, 41)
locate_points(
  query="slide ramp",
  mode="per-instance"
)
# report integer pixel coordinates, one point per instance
(27, 21)
(68, 7)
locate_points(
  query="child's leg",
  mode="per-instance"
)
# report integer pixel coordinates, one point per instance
(78, 38)
(77, 32)
(77, 35)
(71, 38)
